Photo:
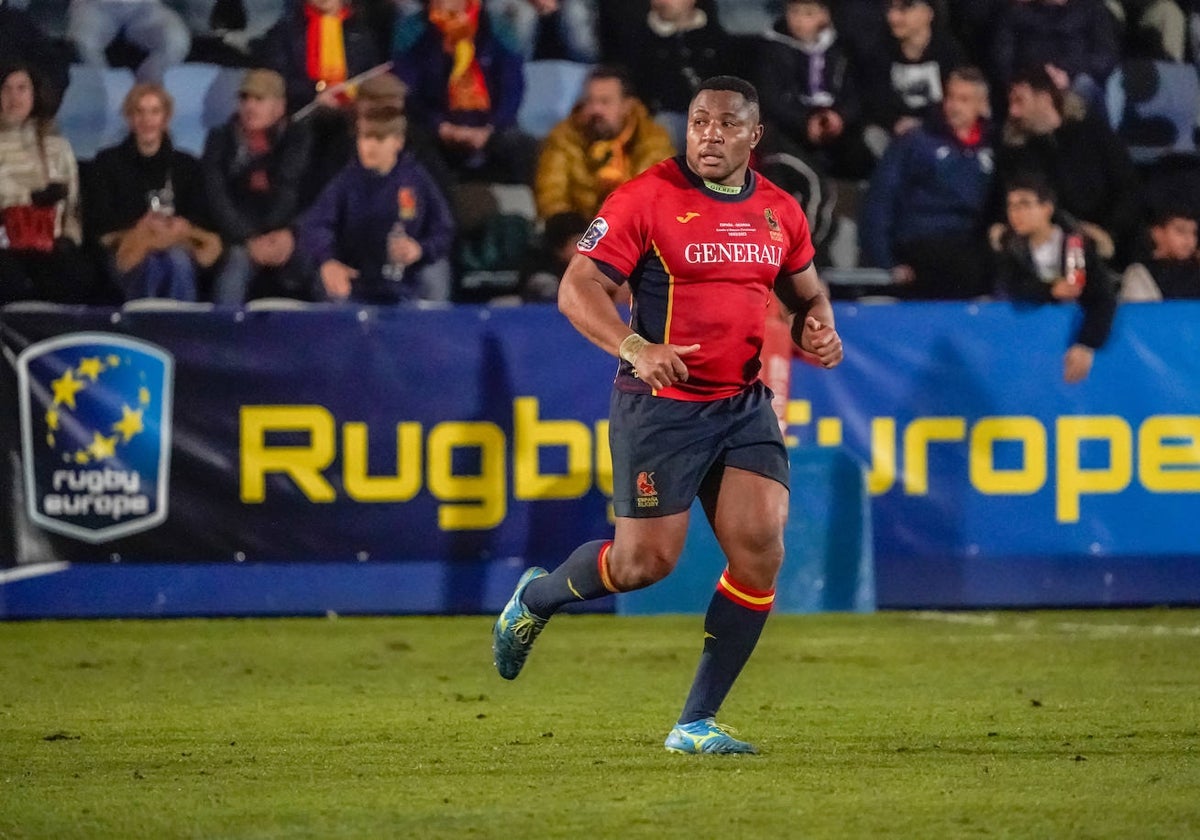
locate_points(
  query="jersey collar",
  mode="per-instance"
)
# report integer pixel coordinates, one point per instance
(698, 182)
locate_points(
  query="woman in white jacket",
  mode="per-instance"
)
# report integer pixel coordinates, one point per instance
(39, 199)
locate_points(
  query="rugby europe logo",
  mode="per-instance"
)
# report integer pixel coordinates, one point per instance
(96, 434)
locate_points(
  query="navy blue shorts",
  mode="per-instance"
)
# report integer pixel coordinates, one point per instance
(663, 450)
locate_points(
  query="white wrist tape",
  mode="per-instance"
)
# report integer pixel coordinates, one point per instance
(631, 346)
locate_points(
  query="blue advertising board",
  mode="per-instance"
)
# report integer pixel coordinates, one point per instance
(475, 435)
(996, 483)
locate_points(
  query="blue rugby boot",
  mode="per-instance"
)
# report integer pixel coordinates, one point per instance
(705, 736)
(516, 628)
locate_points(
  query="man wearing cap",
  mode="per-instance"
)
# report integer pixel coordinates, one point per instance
(253, 167)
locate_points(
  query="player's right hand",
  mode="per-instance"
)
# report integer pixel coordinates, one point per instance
(661, 365)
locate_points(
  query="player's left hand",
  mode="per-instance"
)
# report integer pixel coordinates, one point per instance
(820, 340)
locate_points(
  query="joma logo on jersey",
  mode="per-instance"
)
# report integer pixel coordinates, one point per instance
(733, 252)
(95, 431)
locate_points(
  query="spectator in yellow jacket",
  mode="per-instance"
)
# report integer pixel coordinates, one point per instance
(608, 138)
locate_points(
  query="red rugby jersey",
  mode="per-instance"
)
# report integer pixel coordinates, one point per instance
(701, 266)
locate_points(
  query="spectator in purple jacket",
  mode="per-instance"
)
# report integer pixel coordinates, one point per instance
(465, 86)
(380, 231)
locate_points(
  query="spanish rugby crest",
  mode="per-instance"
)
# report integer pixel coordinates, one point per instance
(96, 434)
(773, 224)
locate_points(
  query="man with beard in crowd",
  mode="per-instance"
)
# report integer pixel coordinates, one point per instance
(608, 138)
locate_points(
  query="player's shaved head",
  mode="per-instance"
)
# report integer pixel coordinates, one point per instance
(733, 84)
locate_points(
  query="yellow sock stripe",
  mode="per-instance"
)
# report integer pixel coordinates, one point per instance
(742, 594)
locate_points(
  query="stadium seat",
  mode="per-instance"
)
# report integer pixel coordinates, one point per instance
(150, 304)
(551, 89)
(515, 199)
(90, 114)
(205, 96)
(277, 304)
(1153, 106)
(90, 117)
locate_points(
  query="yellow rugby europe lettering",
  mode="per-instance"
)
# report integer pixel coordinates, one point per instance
(301, 445)
(1166, 455)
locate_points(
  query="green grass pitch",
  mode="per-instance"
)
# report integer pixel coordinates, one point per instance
(1021, 725)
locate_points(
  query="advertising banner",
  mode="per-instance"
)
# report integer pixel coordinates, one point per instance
(345, 434)
(325, 434)
(993, 480)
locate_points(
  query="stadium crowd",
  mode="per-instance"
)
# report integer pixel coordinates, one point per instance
(370, 139)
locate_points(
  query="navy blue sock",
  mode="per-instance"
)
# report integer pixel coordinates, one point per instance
(734, 622)
(581, 577)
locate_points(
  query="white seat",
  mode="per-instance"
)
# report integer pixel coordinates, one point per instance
(275, 304)
(150, 304)
(35, 306)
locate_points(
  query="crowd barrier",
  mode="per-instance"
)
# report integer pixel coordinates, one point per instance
(250, 461)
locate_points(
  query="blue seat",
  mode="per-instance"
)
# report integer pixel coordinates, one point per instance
(1153, 106)
(205, 97)
(552, 87)
(90, 114)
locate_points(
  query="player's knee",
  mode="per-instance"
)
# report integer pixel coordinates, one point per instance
(641, 566)
(757, 556)
(760, 537)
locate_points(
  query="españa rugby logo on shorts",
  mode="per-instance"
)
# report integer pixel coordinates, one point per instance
(96, 434)
(647, 493)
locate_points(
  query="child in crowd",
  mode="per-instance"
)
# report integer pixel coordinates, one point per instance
(380, 231)
(1043, 261)
(1173, 270)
